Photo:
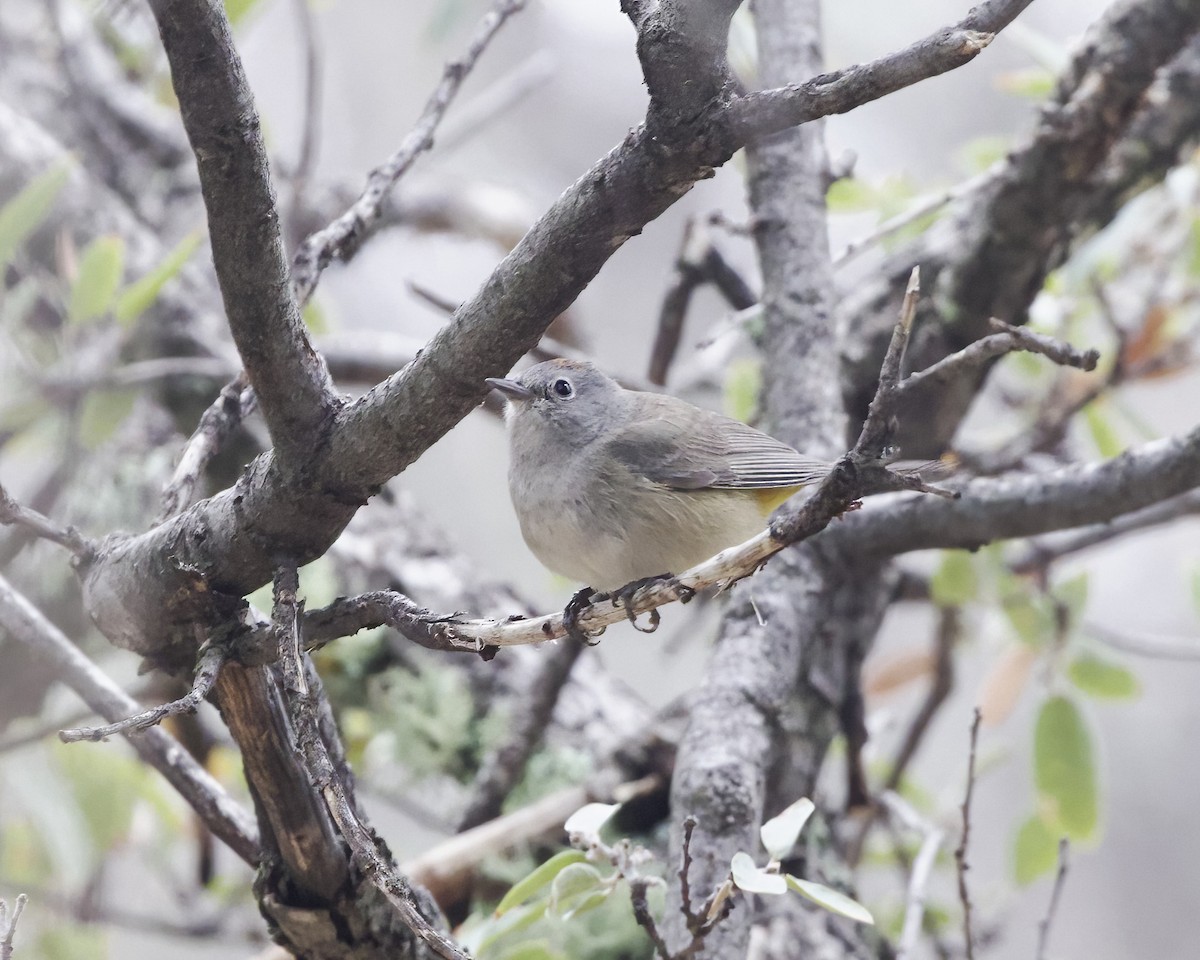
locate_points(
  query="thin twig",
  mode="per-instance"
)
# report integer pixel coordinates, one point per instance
(235, 402)
(209, 666)
(1007, 339)
(641, 912)
(1059, 879)
(694, 917)
(960, 852)
(8, 927)
(1040, 554)
(325, 777)
(12, 513)
(342, 238)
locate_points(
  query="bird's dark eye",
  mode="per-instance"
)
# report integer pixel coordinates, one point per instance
(562, 388)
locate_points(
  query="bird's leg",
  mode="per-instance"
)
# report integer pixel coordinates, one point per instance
(624, 597)
(575, 606)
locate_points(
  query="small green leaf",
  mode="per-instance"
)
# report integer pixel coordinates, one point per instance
(743, 381)
(779, 834)
(1035, 851)
(851, 195)
(1102, 678)
(1103, 435)
(1029, 617)
(136, 298)
(750, 878)
(954, 583)
(1065, 770)
(95, 285)
(588, 819)
(541, 877)
(24, 213)
(574, 884)
(314, 317)
(832, 900)
(494, 929)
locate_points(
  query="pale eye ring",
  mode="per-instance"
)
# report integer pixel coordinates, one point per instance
(562, 388)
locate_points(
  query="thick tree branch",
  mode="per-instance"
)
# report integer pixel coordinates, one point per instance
(289, 377)
(1025, 505)
(222, 815)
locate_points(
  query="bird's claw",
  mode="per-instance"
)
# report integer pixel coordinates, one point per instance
(575, 606)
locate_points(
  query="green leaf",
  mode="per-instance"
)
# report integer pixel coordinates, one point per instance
(1102, 678)
(832, 900)
(851, 195)
(1030, 618)
(101, 413)
(574, 884)
(1035, 851)
(779, 834)
(955, 582)
(95, 285)
(1193, 251)
(140, 295)
(314, 317)
(743, 381)
(1103, 435)
(539, 879)
(238, 10)
(1196, 588)
(107, 784)
(1065, 770)
(24, 213)
(69, 941)
(494, 929)
(749, 877)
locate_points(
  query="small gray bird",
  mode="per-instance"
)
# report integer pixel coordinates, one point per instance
(613, 485)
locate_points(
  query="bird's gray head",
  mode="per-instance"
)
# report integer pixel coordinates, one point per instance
(568, 401)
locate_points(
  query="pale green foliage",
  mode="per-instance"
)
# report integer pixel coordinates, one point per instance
(25, 212)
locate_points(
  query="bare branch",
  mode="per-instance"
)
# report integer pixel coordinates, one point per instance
(12, 513)
(1021, 506)
(975, 357)
(216, 808)
(343, 238)
(960, 852)
(234, 403)
(768, 111)
(211, 660)
(1041, 553)
(1055, 895)
(288, 376)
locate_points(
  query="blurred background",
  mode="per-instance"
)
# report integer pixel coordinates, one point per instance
(559, 87)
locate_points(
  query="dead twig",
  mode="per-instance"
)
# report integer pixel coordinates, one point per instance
(212, 658)
(8, 926)
(13, 513)
(960, 852)
(235, 402)
(342, 238)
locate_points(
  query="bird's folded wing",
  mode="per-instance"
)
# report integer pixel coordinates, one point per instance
(689, 452)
